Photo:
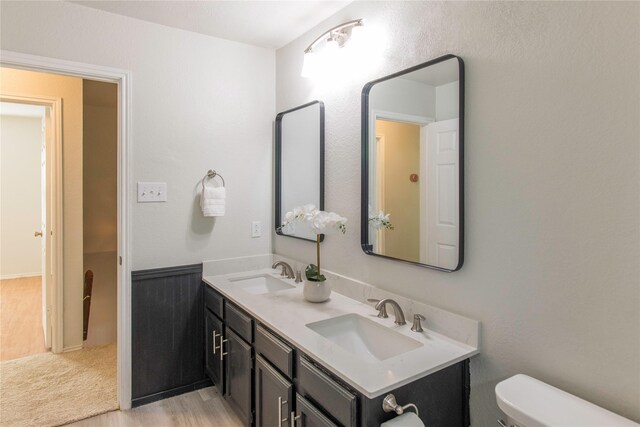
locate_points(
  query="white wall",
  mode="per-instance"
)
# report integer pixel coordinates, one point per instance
(552, 167)
(404, 96)
(447, 101)
(198, 103)
(20, 142)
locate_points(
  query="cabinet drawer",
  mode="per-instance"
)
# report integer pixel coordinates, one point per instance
(213, 300)
(274, 350)
(330, 396)
(239, 322)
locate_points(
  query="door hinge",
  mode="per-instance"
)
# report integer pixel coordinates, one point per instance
(120, 260)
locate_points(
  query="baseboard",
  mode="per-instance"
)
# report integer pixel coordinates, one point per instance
(139, 401)
(19, 276)
(72, 348)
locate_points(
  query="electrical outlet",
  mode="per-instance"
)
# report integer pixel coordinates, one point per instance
(256, 229)
(152, 192)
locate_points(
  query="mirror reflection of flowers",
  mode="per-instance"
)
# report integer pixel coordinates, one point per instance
(320, 222)
(379, 220)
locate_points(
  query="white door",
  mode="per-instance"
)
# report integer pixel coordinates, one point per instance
(45, 191)
(443, 222)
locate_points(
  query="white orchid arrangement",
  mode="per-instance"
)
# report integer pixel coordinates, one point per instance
(320, 222)
(379, 220)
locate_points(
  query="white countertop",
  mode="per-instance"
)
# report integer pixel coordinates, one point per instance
(287, 313)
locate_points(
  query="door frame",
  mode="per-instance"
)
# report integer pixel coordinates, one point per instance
(393, 116)
(56, 228)
(123, 79)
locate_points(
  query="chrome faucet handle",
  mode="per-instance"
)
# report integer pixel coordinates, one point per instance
(286, 269)
(417, 324)
(298, 276)
(382, 313)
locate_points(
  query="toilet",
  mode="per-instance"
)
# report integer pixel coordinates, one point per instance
(528, 402)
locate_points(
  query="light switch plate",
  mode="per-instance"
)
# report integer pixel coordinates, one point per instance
(149, 192)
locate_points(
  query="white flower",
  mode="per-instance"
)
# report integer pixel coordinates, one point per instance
(308, 212)
(321, 222)
(380, 220)
(328, 223)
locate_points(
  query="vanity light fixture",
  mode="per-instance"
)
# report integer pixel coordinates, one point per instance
(324, 49)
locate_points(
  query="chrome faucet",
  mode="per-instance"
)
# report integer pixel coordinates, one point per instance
(381, 306)
(286, 269)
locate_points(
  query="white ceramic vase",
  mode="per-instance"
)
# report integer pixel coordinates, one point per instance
(316, 291)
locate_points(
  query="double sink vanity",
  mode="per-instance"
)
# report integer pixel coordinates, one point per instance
(282, 361)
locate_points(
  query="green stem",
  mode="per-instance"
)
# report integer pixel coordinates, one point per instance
(318, 256)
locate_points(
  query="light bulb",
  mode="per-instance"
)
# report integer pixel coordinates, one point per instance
(331, 46)
(310, 65)
(357, 35)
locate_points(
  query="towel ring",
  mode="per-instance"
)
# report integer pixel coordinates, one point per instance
(212, 174)
(389, 404)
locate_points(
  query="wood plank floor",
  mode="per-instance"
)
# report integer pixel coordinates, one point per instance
(202, 408)
(21, 318)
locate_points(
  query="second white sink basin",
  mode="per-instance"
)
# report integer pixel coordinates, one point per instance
(262, 284)
(363, 337)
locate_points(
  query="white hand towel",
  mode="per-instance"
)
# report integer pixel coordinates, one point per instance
(212, 201)
(408, 419)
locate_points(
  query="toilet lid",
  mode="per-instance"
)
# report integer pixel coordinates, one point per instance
(537, 404)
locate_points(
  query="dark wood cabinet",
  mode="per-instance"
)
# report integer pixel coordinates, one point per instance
(238, 374)
(281, 382)
(213, 353)
(308, 415)
(274, 396)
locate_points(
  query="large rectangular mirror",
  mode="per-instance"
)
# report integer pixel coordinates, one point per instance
(412, 165)
(299, 163)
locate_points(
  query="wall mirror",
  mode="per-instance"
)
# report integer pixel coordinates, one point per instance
(412, 165)
(299, 163)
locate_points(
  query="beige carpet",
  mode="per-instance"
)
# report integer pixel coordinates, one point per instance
(53, 389)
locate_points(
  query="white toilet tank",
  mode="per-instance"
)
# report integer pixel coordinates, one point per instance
(528, 402)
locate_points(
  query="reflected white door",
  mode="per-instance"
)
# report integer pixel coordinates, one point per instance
(443, 222)
(45, 191)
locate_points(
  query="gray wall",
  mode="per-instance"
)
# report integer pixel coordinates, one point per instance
(552, 179)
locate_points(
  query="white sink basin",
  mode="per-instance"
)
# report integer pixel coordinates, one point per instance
(261, 284)
(363, 337)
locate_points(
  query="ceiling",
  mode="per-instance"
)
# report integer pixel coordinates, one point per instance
(270, 24)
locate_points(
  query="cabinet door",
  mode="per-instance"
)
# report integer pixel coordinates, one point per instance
(213, 358)
(274, 396)
(239, 374)
(308, 415)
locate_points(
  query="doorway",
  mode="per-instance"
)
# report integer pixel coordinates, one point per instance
(25, 320)
(122, 78)
(77, 140)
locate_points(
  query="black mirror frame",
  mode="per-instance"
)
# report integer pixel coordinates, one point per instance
(278, 164)
(364, 215)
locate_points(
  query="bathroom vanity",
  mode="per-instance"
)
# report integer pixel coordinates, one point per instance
(281, 361)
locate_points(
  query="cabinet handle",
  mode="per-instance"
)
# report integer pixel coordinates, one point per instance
(294, 419)
(214, 342)
(224, 353)
(280, 403)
